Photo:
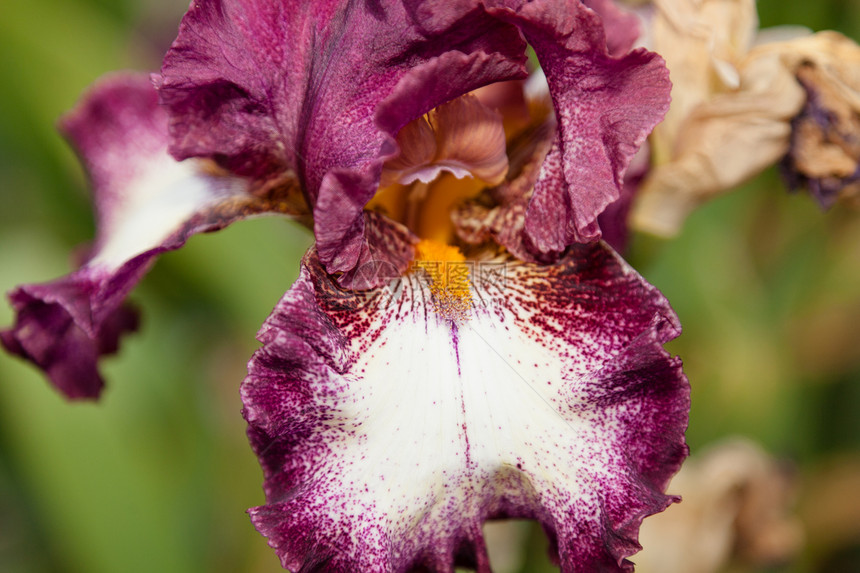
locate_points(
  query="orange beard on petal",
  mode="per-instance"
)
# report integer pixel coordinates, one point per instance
(448, 273)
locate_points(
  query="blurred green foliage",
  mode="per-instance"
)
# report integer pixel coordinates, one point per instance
(156, 477)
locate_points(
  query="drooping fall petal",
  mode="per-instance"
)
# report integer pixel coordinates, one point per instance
(389, 432)
(146, 203)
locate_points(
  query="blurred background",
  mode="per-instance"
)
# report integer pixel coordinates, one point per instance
(157, 476)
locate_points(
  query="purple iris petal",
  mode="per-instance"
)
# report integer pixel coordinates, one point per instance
(321, 90)
(388, 434)
(614, 221)
(146, 203)
(55, 331)
(605, 108)
(622, 28)
(499, 214)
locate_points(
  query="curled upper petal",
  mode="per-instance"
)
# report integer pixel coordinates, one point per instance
(389, 432)
(463, 137)
(146, 203)
(322, 89)
(605, 109)
(622, 27)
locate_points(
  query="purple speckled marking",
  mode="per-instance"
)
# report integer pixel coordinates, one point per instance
(385, 447)
(454, 345)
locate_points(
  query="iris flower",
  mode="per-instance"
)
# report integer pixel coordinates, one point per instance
(459, 346)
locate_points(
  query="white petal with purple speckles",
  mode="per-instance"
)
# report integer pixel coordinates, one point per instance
(389, 434)
(146, 203)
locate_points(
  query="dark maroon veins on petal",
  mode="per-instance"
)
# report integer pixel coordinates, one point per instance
(386, 253)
